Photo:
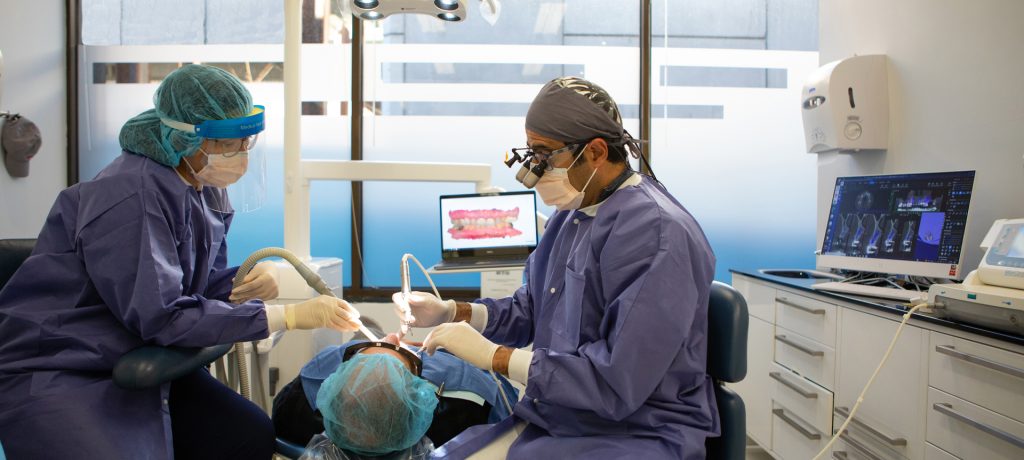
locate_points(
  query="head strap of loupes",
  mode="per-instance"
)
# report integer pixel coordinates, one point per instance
(231, 128)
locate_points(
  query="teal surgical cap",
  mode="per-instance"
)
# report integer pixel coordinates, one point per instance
(373, 405)
(191, 94)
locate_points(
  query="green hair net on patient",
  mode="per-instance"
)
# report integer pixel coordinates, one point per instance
(191, 94)
(373, 405)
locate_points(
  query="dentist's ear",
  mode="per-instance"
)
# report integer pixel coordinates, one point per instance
(597, 151)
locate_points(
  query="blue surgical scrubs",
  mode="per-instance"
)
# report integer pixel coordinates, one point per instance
(615, 304)
(134, 257)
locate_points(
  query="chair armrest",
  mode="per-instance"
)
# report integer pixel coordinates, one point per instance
(151, 366)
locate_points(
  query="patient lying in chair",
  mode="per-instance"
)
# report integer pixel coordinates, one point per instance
(380, 400)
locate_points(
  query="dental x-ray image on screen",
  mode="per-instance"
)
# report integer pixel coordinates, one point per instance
(915, 218)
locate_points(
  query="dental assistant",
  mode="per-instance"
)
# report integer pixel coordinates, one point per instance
(137, 256)
(614, 303)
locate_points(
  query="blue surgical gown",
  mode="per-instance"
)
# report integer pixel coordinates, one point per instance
(616, 308)
(133, 257)
(441, 367)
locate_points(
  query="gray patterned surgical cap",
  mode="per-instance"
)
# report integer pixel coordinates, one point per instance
(571, 109)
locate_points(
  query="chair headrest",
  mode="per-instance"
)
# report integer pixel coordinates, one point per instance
(727, 333)
(13, 253)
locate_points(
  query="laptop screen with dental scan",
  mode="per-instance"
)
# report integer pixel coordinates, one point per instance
(488, 226)
(906, 224)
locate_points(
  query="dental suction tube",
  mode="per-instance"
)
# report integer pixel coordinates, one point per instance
(312, 279)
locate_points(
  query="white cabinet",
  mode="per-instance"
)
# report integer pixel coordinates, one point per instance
(806, 357)
(889, 420)
(755, 389)
(969, 431)
(934, 453)
(809, 402)
(987, 376)
(975, 409)
(808, 317)
(794, 437)
(939, 397)
(760, 297)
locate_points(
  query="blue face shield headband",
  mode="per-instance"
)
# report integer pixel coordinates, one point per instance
(232, 128)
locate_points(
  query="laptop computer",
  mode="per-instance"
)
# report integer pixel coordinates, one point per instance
(487, 230)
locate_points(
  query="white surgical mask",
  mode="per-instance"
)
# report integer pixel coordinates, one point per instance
(556, 190)
(222, 170)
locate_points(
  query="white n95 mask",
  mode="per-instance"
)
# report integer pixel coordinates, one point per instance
(224, 169)
(556, 190)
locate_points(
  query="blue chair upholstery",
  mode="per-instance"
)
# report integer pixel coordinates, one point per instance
(727, 362)
(13, 253)
(150, 366)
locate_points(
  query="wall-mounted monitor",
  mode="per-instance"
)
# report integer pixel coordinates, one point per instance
(903, 224)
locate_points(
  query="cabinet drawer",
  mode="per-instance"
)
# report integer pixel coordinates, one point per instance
(760, 298)
(934, 453)
(805, 399)
(792, 437)
(863, 440)
(808, 317)
(811, 359)
(891, 418)
(984, 375)
(969, 431)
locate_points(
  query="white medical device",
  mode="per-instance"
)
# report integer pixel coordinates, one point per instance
(846, 105)
(992, 295)
(1003, 264)
(1, 78)
(445, 10)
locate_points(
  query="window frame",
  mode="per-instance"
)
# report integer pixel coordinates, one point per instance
(357, 292)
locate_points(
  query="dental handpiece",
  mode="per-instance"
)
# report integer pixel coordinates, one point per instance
(407, 318)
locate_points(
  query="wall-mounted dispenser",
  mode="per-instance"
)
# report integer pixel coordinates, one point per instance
(845, 105)
(1, 79)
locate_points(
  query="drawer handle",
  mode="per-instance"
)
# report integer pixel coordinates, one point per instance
(805, 393)
(839, 455)
(845, 413)
(813, 311)
(790, 342)
(796, 425)
(859, 447)
(950, 350)
(947, 409)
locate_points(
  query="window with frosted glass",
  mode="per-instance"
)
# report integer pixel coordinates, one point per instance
(129, 46)
(726, 130)
(458, 92)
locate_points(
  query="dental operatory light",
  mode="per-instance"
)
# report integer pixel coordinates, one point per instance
(445, 10)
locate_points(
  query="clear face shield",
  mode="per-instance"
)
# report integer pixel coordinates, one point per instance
(230, 158)
(234, 163)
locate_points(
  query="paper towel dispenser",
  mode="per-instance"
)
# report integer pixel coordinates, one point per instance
(1, 78)
(845, 105)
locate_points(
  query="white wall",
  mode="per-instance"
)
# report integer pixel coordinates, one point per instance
(956, 98)
(32, 41)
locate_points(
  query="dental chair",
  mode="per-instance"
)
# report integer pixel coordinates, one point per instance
(13, 253)
(727, 363)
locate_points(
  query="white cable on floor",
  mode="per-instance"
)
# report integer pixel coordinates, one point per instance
(860, 397)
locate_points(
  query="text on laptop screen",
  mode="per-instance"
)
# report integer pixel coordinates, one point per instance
(505, 220)
(903, 217)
